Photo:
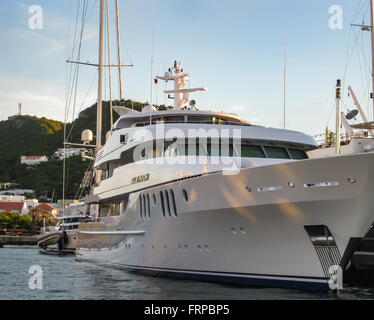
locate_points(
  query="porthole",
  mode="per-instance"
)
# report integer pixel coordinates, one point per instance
(248, 189)
(291, 185)
(352, 180)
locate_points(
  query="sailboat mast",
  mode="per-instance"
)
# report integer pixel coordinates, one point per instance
(100, 78)
(119, 53)
(372, 47)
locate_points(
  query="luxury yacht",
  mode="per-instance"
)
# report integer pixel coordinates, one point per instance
(207, 195)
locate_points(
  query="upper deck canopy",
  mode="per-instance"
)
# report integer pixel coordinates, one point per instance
(177, 116)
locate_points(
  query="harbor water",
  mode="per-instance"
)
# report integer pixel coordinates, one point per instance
(64, 277)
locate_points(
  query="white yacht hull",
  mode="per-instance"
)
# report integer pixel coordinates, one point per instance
(247, 228)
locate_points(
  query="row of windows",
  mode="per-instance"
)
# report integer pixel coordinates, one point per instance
(206, 119)
(153, 149)
(254, 151)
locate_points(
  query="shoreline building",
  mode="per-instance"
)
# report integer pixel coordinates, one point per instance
(6, 185)
(47, 208)
(20, 207)
(68, 152)
(33, 160)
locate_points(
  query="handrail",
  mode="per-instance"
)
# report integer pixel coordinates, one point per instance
(114, 233)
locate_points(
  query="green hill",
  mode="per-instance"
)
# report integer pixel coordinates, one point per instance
(27, 135)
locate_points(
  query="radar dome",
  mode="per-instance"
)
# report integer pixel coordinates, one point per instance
(87, 136)
(149, 108)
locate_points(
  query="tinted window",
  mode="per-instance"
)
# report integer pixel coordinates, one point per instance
(297, 154)
(252, 152)
(174, 119)
(191, 149)
(200, 119)
(223, 149)
(276, 153)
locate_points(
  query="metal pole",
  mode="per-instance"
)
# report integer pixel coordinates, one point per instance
(285, 75)
(372, 47)
(109, 62)
(100, 78)
(119, 53)
(338, 121)
(362, 113)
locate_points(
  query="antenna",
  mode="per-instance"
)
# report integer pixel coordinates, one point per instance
(371, 29)
(338, 115)
(284, 73)
(352, 114)
(372, 45)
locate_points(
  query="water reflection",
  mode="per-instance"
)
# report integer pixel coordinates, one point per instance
(66, 278)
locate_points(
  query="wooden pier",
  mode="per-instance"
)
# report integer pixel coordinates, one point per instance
(18, 240)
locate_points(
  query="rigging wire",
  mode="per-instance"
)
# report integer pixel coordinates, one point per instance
(82, 104)
(81, 187)
(152, 55)
(71, 77)
(349, 54)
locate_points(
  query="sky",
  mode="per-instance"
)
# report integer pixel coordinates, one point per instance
(235, 48)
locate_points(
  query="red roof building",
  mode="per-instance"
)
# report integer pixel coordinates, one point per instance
(19, 207)
(48, 208)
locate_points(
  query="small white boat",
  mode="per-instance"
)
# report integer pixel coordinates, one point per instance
(64, 236)
(49, 238)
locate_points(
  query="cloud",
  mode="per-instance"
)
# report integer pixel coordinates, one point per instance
(39, 98)
(317, 103)
(239, 107)
(46, 45)
(52, 38)
(254, 120)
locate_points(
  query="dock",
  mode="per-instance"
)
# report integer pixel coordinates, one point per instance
(18, 240)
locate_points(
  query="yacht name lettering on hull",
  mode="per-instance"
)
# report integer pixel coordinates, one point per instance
(141, 178)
